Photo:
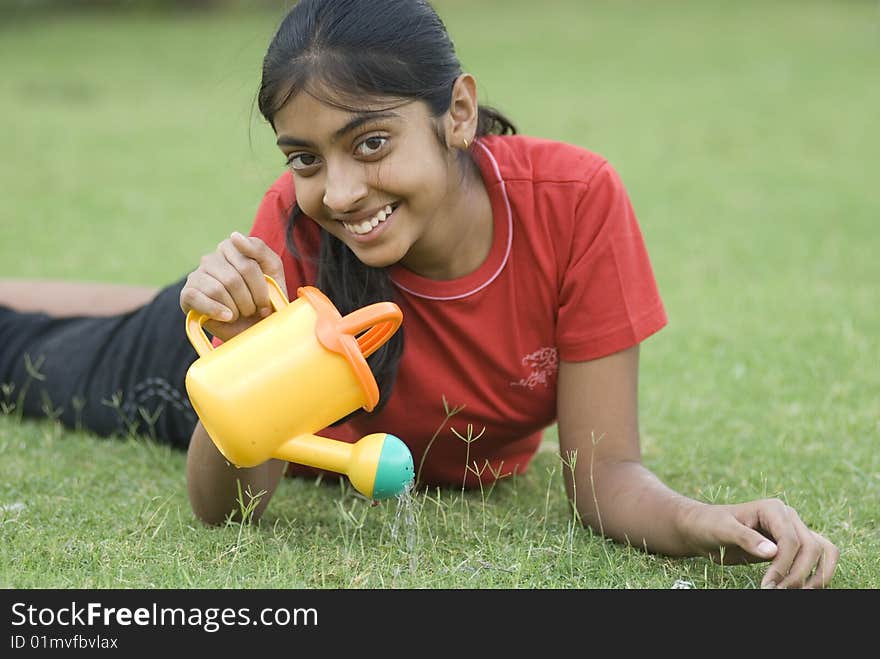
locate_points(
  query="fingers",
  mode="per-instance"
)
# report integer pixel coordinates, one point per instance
(815, 561)
(243, 281)
(728, 534)
(770, 530)
(268, 261)
(826, 565)
(206, 295)
(773, 518)
(757, 546)
(803, 558)
(229, 283)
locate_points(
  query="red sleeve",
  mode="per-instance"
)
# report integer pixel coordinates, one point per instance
(609, 299)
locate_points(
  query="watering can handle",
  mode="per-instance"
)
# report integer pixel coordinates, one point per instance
(382, 319)
(374, 323)
(195, 321)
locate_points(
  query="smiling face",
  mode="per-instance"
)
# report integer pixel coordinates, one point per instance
(379, 179)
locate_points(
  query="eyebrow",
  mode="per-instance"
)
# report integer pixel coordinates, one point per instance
(356, 122)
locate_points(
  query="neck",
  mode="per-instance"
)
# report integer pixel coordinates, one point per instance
(460, 237)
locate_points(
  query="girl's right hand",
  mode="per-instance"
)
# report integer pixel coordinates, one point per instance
(229, 285)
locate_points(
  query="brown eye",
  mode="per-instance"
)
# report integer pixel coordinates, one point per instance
(302, 161)
(371, 146)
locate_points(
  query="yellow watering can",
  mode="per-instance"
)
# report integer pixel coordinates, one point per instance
(263, 393)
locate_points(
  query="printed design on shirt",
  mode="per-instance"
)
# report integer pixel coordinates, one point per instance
(544, 363)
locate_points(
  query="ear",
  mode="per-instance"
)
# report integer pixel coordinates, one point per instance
(461, 124)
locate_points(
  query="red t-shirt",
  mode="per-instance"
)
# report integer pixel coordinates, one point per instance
(567, 278)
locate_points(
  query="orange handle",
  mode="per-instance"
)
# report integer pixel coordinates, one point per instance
(377, 322)
(195, 322)
(382, 318)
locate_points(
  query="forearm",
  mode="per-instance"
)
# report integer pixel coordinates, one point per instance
(625, 501)
(218, 489)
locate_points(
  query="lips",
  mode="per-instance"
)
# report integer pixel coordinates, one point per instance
(367, 225)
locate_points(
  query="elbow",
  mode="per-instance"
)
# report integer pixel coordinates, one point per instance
(203, 504)
(205, 476)
(207, 514)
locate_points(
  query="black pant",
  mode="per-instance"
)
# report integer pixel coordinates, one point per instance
(113, 375)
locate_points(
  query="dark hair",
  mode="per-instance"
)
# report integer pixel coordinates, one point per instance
(356, 49)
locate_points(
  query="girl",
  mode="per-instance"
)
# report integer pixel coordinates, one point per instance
(518, 263)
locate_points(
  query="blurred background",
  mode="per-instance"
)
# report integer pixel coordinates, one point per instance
(132, 143)
(24, 6)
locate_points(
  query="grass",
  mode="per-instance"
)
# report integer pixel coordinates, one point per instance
(746, 136)
(113, 514)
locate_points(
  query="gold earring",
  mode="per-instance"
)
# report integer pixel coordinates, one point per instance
(465, 144)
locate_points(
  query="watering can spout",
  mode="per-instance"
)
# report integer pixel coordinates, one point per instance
(391, 473)
(378, 465)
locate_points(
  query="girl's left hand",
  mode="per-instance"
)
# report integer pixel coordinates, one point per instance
(763, 530)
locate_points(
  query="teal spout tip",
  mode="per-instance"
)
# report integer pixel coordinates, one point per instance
(395, 471)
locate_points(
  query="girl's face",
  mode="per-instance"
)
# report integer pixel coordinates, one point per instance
(377, 179)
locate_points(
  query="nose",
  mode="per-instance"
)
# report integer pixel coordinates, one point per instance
(344, 186)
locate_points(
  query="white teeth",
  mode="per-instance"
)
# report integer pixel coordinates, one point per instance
(368, 225)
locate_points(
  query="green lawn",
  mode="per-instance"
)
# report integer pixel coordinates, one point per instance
(747, 136)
